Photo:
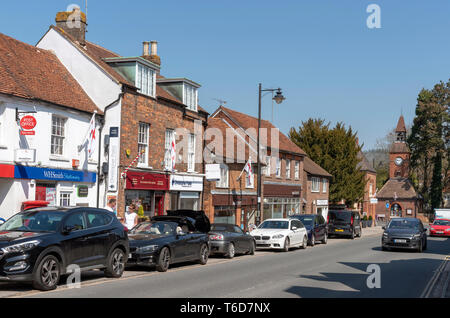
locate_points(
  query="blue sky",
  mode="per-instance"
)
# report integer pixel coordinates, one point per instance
(321, 53)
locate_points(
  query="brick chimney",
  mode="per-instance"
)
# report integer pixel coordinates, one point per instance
(73, 23)
(150, 52)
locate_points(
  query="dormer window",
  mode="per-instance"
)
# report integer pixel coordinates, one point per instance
(190, 96)
(145, 80)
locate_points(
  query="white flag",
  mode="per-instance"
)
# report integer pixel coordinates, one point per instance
(91, 138)
(249, 171)
(173, 151)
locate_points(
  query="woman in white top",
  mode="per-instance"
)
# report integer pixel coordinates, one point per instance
(131, 217)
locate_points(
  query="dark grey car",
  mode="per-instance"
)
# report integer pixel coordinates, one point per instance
(229, 240)
(407, 233)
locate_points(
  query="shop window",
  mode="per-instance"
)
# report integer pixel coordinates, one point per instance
(64, 199)
(58, 135)
(224, 214)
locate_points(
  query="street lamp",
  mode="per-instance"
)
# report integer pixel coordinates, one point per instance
(278, 98)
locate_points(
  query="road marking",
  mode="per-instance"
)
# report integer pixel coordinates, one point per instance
(429, 288)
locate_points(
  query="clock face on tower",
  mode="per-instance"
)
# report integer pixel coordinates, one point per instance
(398, 161)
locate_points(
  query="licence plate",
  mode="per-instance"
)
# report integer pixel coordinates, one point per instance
(399, 241)
(338, 230)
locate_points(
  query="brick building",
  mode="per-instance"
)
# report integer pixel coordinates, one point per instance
(282, 173)
(368, 205)
(316, 188)
(398, 198)
(143, 113)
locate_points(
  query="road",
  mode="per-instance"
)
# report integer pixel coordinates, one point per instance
(337, 269)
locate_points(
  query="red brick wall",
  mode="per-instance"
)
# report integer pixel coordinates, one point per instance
(161, 115)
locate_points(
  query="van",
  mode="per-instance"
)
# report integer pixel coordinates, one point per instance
(344, 223)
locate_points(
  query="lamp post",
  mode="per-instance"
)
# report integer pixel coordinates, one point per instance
(278, 98)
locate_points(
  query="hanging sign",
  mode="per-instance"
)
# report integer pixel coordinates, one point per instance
(27, 123)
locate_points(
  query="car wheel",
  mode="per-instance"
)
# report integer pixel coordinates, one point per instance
(352, 236)
(204, 254)
(116, 264)
(305, 242)
(163, 263)
(360, 233)
(325, 238)
(313, 240)
(252, 248)
(231, 251)
(47, 274)
(420, 248)
(286, 245)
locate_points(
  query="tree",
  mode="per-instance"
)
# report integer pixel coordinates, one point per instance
(335, 150)
(428, 142)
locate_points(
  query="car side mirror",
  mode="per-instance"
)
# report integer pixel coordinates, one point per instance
(68, 229)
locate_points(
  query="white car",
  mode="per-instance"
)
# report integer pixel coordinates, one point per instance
(280, 234)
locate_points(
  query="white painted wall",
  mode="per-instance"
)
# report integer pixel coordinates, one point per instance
(97, 84)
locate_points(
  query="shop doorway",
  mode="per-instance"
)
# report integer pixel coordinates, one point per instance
(159, 205)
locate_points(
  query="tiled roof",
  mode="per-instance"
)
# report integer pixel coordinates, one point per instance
(247, 121)
(401, 188)
(399, 147)
(364, 164)
(99, 53)
(401, 125)
(33, 73)
(313, 168)
(222, 126)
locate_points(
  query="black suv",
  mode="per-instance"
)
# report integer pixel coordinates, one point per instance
(344, 223)
(38, 245)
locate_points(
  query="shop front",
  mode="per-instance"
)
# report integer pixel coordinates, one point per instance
(147, 190)
(234, 208)
(322, 208)
(186, 192)
(281, 201)
(58, 187)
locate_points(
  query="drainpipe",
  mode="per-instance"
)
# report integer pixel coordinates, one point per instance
(102, 123)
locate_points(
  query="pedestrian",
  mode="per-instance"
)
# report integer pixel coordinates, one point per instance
(111, 206)
(131, 217)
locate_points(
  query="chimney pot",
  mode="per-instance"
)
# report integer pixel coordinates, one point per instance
(146, 46)
(154, 48)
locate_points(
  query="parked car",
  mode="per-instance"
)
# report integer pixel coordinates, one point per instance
(408, 233)
(344, 223)
(229, 240)
(38, 245)
(440, 227)
(316, 227)
(280, 234)
(180, 236)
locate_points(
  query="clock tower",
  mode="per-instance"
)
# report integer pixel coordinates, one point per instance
(399, 153)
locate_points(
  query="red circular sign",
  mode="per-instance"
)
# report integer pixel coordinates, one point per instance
(28, 122)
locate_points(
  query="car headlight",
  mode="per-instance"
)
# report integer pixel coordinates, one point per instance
(21, 247)
(278, 236)
(146, 249)
(416, 236)
(385, 234)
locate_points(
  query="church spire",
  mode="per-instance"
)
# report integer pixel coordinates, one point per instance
(401, 130)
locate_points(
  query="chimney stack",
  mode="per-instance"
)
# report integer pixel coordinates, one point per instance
(150, 52)
(73, 23)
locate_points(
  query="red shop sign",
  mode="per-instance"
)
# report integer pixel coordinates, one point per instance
(28, 122)
(147, 181)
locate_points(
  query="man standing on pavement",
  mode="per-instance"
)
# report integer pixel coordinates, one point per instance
(111, 206)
